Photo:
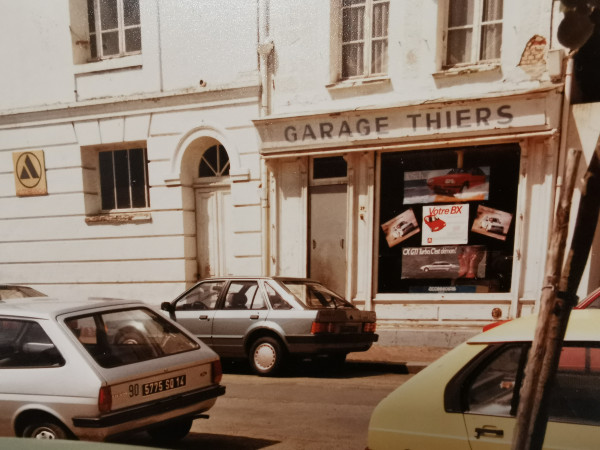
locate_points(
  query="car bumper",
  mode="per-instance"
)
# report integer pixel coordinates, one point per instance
(142, 416)
(331, 343)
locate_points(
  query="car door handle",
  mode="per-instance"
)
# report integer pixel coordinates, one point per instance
(254, 316)
(488, 431)
(203, 317)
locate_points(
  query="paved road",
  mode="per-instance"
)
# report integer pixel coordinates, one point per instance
(305, 409)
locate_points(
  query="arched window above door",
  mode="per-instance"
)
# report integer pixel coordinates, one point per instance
(214, 162)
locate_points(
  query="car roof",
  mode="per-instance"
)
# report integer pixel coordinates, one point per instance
(260, 277)
(47, 307)
(583, 326)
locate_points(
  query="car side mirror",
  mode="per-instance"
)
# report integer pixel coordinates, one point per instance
(166, 306)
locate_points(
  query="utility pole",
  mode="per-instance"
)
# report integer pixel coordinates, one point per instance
(558, 298)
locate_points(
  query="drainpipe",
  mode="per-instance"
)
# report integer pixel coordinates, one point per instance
(265, 48)
(564, 125)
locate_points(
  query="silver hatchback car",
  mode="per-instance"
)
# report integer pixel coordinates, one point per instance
(99, 368)
(267, 319)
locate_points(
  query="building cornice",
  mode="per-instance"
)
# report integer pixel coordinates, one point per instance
(131, 105)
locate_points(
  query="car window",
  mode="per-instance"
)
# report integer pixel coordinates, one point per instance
(277, 302)
(26, 344)
(119, 337)
(575, 394)
(244, 295)
(492, 389)
(315, 295)
(202, 296)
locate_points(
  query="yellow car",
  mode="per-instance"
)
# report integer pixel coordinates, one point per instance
(468, 398)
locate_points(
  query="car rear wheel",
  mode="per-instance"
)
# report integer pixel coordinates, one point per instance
(171, 431)
(45, 429)
(266, 356)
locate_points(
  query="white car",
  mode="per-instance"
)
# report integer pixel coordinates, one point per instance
(99, 368)
(492, 224)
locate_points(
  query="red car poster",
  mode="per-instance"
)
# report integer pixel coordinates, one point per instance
(400, 227)
(445, 224)
(447, 185)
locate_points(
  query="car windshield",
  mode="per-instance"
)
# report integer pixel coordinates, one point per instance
(126, 336)
(315, 295)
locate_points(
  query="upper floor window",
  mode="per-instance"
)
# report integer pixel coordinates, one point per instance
(474, 31)
(364, 37)
(114, 27)
(123, 179)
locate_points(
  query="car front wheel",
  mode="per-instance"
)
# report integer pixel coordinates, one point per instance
(171, 431)
(266, 356)
(45, 430)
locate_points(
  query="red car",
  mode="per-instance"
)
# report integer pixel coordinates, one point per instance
(456, 180)
(592, 301)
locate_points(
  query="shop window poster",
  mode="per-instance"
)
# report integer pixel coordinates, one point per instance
(400, 227)
(453, 262)
(492, 222)
(445, 224)
(447, 185)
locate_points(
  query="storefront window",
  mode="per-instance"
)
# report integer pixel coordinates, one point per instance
(447, 220)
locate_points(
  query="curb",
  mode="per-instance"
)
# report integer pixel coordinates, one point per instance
(411, 367)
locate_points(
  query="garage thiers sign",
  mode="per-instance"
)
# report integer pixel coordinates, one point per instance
(390, 124)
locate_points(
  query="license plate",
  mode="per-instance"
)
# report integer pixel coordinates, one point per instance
(349, 328)
(163, 385)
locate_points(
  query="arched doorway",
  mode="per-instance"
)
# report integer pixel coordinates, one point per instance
(212, 190)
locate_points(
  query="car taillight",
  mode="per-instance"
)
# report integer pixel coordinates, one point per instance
(369, 327)
(104, 399)
(216, 371)
(322, 327)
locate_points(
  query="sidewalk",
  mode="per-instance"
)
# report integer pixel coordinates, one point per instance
(414, 359)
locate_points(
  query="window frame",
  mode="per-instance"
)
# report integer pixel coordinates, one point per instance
(367, 40)
(502, 250)
(145, 180)
(96, 35)
(477, 27)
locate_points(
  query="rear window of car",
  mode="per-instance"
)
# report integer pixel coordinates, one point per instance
(126, 336)
(315, 295)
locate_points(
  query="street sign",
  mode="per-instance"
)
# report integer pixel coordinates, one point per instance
(30, 173)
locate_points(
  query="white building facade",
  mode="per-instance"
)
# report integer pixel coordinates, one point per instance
(406, 153)
(138, 125)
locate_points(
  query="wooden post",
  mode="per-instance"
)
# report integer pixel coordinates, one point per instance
(532, 415)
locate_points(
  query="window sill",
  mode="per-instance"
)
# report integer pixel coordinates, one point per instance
(467, 70)
(118, 218)
(358, 82)
(125, 62)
